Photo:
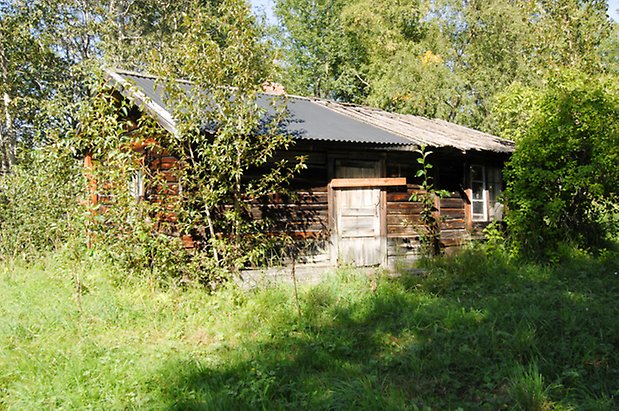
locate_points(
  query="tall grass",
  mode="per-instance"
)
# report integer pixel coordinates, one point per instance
(473, 332)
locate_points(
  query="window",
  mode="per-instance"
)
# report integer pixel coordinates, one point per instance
(486, 183)
(478, 193)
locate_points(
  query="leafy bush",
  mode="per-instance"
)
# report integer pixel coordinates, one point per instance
(430, 235)
(39, 208)
(494, 234)
(563, 178)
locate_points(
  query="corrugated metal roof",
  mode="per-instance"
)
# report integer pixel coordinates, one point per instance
(323, 120)
(310, 121)
(423, 131)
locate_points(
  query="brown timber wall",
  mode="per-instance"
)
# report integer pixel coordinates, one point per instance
(453, 222)
(305, 216)
(404, 226)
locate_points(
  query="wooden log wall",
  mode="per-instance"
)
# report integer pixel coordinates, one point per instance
(163, 189)
(404, 226)
(453, 221)
(305, 216)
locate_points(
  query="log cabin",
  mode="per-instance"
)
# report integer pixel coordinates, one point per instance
(353, 201)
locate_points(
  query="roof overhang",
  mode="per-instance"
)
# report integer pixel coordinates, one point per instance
(328, 121)
(139, 98)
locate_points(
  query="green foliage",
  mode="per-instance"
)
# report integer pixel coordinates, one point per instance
(29, 72)
(472, 332)
(324, 60)
(495, 241)
(39, 208)
(515, 109)
(44, 46)
(431, 225)
(563, 179)
(222, 134)
(527, 388)
(445, 59)
(127, 230)
(53, 94)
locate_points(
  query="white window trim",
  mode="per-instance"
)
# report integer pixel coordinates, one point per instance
(484, 197)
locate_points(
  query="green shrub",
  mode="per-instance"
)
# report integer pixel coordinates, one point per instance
(563, 178)
(39, 208)
(494, 235)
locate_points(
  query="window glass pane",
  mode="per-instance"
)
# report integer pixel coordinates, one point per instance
(494, 175)
(495, 208)
(478, 207)
(478, 190)
(477, 173)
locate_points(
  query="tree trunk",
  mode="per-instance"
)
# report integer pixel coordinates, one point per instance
(10, 140)
(7, 136)
(237, 206)
(211, 230)
(3, 156)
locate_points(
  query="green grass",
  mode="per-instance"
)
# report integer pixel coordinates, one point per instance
(474, 332)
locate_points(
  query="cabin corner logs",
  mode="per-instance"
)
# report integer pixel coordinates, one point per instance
(352, 204)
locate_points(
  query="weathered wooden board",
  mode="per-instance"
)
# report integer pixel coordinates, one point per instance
(451, 202)
(367, 182)
(358, 226)
(359, 212)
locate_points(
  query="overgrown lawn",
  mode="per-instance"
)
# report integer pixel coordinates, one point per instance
(473, 332)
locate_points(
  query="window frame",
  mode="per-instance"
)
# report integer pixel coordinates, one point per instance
(489, 190)
(475, 217)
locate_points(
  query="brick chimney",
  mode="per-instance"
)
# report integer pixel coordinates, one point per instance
(271, 87)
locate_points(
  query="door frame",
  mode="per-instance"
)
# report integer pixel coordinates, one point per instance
(379, 182)
(382, 221)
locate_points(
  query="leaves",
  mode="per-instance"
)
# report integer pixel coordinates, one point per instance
(223, 132)
(447, 59)
(560, 180)
(431, 231)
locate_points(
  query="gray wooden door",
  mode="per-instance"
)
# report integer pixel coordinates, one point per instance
(358, 217)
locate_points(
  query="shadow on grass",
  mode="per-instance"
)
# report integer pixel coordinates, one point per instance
(455, 337)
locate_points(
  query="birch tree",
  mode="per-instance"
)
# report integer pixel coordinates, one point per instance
(29, 68)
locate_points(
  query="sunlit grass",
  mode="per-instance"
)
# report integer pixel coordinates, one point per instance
(474, 332)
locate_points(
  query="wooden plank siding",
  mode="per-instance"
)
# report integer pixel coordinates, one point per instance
(404, 226)
(308, 214)
(304, 217)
